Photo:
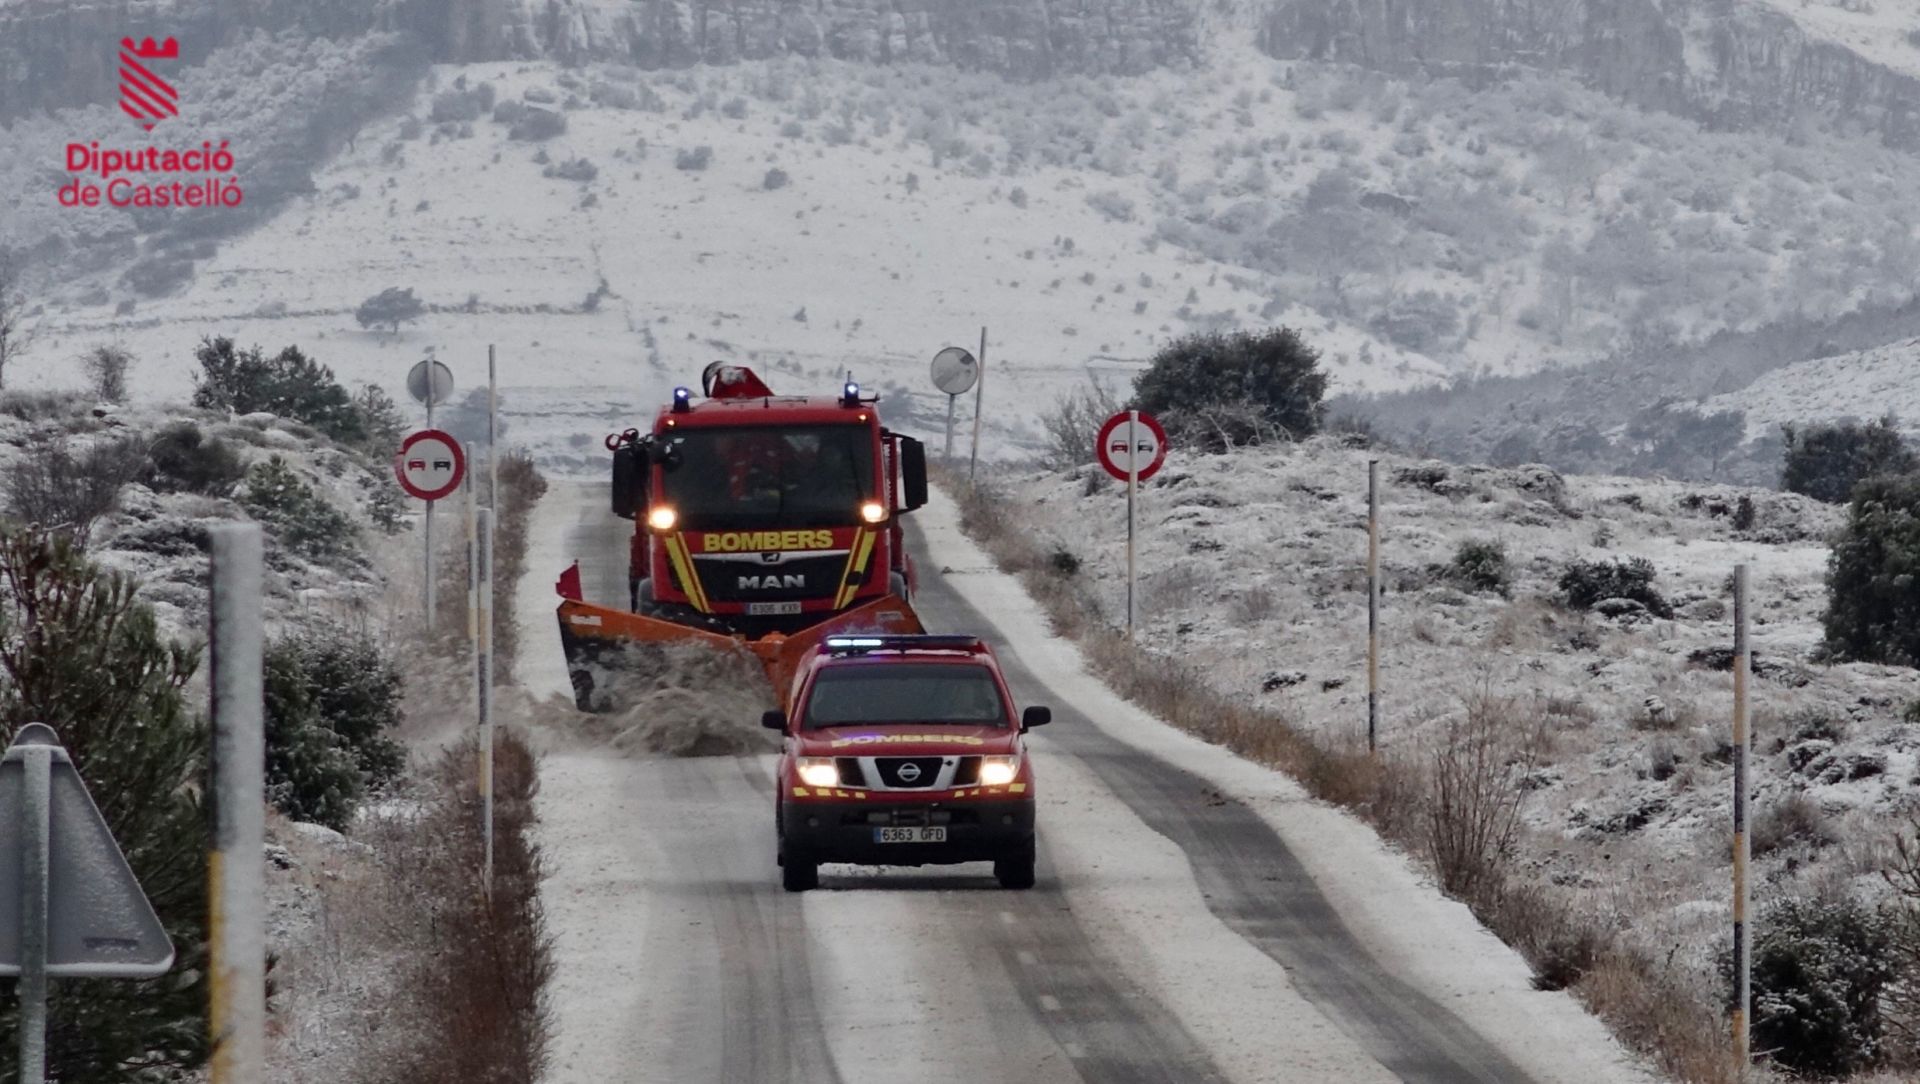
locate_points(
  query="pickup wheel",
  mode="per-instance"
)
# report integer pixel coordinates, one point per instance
(1015, 870)
(798, 875)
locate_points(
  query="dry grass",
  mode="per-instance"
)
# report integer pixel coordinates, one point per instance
(1460, 810)
(521, 487)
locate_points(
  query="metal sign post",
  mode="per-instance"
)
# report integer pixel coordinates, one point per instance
(473, 558)
(1373, 601)
(979, 397)
(430, 465)
(483, 683)
(493, 435)
(1742, 741)
(954, 372)
(429, 382)
(1132, 447)
(70, 906)
(236, 897)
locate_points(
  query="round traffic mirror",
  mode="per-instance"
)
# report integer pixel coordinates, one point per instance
(954, 370)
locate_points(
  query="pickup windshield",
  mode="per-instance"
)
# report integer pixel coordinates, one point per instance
(769, 477)
(908, 693)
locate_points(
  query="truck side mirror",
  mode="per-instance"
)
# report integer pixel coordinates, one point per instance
(1037, 715)
(629, 479)
(774, 720)
(913, 473)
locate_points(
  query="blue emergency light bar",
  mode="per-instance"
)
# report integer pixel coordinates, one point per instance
(681, 397)
(862, 644)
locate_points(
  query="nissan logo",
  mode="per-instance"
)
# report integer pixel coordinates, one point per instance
(908, 772)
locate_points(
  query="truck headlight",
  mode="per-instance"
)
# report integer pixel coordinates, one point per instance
(998, 771)
(818, 771)
(873, 511)
(662, 518)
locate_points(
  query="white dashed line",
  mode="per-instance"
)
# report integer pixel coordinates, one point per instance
(1049, 1002)
(1007, 917)
(1074, 1050)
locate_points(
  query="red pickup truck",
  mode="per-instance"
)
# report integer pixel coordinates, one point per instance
(904, 751)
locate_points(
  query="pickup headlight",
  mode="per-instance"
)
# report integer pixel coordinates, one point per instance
(998, 771)
(818, 771)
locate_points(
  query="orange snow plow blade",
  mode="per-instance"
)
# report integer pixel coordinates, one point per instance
(603, 644)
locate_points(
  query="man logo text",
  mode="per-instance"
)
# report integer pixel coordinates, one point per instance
(772, 582)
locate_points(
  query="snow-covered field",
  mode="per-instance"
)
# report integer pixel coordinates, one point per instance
(1252, 571)
(1863, 385)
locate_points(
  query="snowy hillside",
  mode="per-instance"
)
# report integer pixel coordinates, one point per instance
(1865, 384)
(612, 230)
(1251, 572)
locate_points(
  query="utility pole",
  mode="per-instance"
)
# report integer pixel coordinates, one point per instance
(1373, 603)
(1742, 742)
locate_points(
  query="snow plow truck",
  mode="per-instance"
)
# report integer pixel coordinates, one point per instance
(761, 522)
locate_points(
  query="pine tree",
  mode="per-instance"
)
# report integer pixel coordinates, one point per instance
(79, 652)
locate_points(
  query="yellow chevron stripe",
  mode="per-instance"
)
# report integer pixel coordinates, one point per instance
(677, 553)
(856, 563)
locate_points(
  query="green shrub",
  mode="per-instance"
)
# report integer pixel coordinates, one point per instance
(1223, 390)
(333, 700)
(1820, 969)
(1587, 582)
(299, 518)
(183, 459)
(1825, 462)
(311, 771)
(81, 653)
(289, 384)
(1481, 566)
(1873, 593)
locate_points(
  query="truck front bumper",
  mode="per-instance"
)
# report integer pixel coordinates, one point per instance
(977, 831)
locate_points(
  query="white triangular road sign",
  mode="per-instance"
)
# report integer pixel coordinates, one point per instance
(99, 923)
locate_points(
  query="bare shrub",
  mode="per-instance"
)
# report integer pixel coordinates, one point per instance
(476, 965)
(38, 406)
(1253, 605)
(1792, 820)
(1474, 808)
(1073, 424)
(52, 488)
(106, 368)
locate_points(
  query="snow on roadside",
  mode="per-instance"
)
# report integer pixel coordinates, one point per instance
(1433, 942)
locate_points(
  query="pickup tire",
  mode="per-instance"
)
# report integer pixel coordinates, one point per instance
(798, 875)
(1015, 870)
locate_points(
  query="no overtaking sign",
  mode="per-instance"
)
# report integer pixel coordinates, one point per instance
(430, 464)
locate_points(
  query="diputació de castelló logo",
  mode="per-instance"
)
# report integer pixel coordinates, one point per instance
(150, 176)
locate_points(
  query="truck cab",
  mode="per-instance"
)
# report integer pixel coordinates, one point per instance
(757, 514)
(904, 751)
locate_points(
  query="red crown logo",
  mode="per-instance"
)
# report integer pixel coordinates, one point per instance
(147, 50)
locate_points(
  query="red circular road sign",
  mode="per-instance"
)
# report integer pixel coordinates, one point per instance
(430, 464)
(1141, 446)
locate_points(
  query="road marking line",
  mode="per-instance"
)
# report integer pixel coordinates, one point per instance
(1007, 917)
(1049, 1002)
(1025, 957)
(1074, 1050)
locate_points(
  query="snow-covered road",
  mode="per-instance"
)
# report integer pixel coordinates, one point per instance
(1196, 918)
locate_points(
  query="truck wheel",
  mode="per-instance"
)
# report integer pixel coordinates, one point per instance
(798, 875)
(1015, 870)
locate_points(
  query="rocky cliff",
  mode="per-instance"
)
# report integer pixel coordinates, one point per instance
(61, 52)
(1728, 63)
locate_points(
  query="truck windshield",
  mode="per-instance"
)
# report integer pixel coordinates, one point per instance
(908, 693)
(761, 477)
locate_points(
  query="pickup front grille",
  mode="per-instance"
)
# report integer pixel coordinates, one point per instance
(967, 772)
(908, 773)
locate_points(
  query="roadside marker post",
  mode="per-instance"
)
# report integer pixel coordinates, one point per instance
(1132, 447)
(473, 568)
(1373, 602)
(979, 398)
(483, 685)
(1742, 742)
(493, 434)
(70, 906)
(237, 904)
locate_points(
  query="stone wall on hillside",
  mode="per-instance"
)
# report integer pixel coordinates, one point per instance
(1728, 64)
(62, 52)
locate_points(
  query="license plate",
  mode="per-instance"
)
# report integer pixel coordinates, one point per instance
(909, 835)
(770, 609)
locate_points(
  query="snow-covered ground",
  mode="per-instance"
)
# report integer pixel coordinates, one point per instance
(679, 957)
(1252, 571)
(1863, 385)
